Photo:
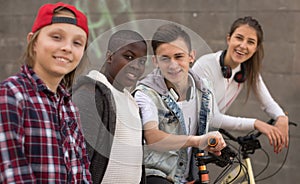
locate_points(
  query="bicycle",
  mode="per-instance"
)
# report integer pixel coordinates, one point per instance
(243, 173)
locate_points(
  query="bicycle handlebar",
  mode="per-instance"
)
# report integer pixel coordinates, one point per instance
(271, 122)
(241, 139)
(226, 157)
(249, 143)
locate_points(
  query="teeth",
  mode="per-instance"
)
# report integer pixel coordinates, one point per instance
(62, 59)
(174, 72)
(240, 52)
(131, 75)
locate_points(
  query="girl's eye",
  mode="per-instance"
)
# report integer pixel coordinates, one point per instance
(239, 38)
(251, 42)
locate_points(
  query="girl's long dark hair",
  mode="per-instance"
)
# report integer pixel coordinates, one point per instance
(253, 64)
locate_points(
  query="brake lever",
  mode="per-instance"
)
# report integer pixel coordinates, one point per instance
(227, 156)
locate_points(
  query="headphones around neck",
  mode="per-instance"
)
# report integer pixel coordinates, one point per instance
(175, 95)
(189, 94)
(239, 77)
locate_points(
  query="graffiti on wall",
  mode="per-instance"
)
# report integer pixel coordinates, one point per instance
(104, 18)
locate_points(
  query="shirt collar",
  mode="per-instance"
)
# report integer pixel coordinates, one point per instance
(39, 85)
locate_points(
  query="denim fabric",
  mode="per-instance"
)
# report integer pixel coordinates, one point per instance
(173, 164)
(204, 112)
(172, 105)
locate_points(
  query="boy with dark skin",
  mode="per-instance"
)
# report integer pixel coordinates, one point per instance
(109, 111)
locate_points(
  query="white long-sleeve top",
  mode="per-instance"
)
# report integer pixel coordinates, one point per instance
(227, 90)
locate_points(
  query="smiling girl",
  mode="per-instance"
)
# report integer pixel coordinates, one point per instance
(238, 66)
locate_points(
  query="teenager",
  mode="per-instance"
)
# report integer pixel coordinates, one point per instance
(237, 66)
(110, 115)
(176, 108)
(41, 137)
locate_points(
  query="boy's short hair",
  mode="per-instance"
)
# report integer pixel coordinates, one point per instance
(122, 38)
(168, 33)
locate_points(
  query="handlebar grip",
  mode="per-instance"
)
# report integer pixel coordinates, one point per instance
(212, 142)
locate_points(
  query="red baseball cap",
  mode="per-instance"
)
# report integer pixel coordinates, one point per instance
(46, 17)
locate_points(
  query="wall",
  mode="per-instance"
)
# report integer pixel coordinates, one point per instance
(209, 19)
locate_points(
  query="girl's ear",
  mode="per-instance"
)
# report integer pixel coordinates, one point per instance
(228, 39)
(154, 61)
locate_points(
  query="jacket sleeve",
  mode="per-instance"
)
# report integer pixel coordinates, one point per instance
(268, 104)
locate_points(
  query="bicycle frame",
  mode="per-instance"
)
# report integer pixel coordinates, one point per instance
(242, 170)
(202, 159)
(243, 173)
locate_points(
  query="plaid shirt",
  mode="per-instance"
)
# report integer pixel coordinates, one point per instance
(40, 136)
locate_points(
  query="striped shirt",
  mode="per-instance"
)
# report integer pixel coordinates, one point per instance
(41, 139)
